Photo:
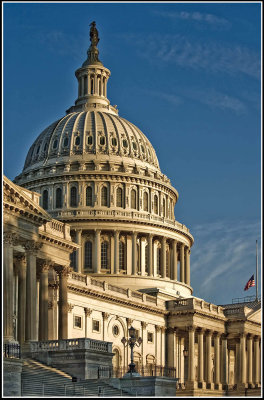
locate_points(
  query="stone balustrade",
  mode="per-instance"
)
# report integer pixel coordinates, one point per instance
(70, 344)
(58, 228)
(193, 303)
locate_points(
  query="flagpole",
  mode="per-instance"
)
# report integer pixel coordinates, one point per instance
(256, 270)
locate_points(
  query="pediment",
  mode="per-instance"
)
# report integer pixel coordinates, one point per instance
(254, 316)
(19, 199)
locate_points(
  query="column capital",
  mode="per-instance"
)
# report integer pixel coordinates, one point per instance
(209, 332)
(63, 270)
(87, 311)
(45, 265)
(150, 235)
(162, 328)
(249, 336)
(97, 231)
(129, 321)
(170, 330)
(144, 324)
(105, 315)
(158, 327)
(116, 232)
(70, 307)
(217, 334)
(256, 338)
(20, 260)
(200, 330)
(32, 247)
(191, 328)
(10, 238)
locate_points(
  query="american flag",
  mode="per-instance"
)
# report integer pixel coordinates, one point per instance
(250, 283)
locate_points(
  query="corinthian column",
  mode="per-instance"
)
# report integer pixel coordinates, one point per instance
(31, 310)
(43, 300)
(175, 260)
(79, 251)
(243, 359)
(150, 255)
(134, 253)
(256, 361)
(191, 358)
(22, 268)
(208, 359)
(224, 362)
(116, 252)
(97, 255)
(9, 241)
(182, 276)
(163, 257)
(63, 301)
(201, 358)
(187, 266)
(250, 359)
(217, 360)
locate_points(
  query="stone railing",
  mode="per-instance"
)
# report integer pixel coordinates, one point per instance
(71, 344)
(134, 215)
(234, 311)
(88, 281)
(11, 350)
(57, 228)
(192, 303)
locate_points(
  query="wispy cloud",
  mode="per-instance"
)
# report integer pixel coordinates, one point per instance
(208, 55)
(206, 18)
(223, 259)
(169, 97)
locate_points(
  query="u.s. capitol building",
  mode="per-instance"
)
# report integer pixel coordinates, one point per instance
(91, 247)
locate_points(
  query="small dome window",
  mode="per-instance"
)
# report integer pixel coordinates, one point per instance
(55, 144)
(114, 141)
(115, 330)
(65, 142)
(125, 144)
(142, 148)
(77, 141)
(102, 140)
(90, 140)
(134, 145)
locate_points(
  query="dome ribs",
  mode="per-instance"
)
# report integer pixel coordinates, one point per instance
(117, 135)
(106, 133)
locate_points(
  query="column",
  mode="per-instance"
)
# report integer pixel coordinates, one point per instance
(237, 363)
(144, 343)
(191, 375)
(250, 360)
(163, 257)
(224, 361)
(87, 313)
(162, 346)
(21, 267)
(182, 276)
(171, 340)
(150, 255)
(8, 309)
(134, 253)
(208, 375)
(116, 253)
(97, 252)
(256, 361)
(79, 251)
(31, 291)
(157, 345)
(187, 266)
(43, 300)
(105, 316)
(243, 359)
(201, 358)
(175, 260)
(217, 361)
(63, 272)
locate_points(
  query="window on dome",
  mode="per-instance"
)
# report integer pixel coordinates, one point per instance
(89, 194)
(145, 201)
(134, 145)
(58, 198)
(104, 196)
(142, 148)
(77, 141)
(114, 141)
(55, 144)
(92, 86)
(45, 199)
(156, 204)
(122, 264)
(88, 255)
(90, 140)
(133, 199)
(104, 255)
(73, 198)
(65, 142)
(119, 197)
(102, 140)
(85, 84)
(125, 144)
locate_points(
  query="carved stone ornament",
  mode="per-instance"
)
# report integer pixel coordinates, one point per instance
(87, 311)
(63, 270)
(10, 238)
(105, 315)
(129, 321)
(144, 324)
(70, 307)
(20, 260)
(32, 247)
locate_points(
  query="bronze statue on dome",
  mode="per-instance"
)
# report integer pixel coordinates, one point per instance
(94, 38)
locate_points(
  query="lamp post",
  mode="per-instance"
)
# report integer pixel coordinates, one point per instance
(132, 342)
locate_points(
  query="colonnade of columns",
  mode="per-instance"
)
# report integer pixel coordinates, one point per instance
(93, 83)
(208, 354)
(32, 323)
(178, 253)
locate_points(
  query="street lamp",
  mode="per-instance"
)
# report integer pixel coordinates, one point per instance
(132, 342)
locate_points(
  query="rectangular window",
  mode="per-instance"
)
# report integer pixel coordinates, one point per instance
(77, 321)
(150, 337)
(96, 325)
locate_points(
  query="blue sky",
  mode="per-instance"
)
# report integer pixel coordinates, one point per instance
(188, 75)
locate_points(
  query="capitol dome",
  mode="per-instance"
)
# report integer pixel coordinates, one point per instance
(99, 173)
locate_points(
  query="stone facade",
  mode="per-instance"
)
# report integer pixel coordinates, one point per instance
(91, 247)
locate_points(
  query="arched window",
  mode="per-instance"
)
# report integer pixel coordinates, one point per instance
(133, 199)
(89, 194)
(88, 248)
(58, 198)
(159, 261)
(45, 200)
(73, 198)
(104, 255)
(122, 264)
(145, 201)
(119, 197)
(104, 196)
(156, 204)
(92, 86)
